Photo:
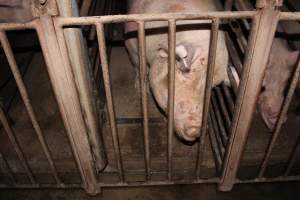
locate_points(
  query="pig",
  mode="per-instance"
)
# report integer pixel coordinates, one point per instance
(192, 46)
(280, 67)
(16, 10)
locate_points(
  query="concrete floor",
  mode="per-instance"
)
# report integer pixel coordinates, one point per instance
(286, 191)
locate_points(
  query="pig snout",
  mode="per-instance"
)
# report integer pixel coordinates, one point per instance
(191, 129)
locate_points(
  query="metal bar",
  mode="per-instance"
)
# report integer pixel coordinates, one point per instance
(64, 87)
(63, 21)
(259, 45)
(293, 157)
(144, 90)
(228, 5)
(25, 97)
(9, 131)
(281, 119)
(217, 130)
(290, 16)
(276, 179)
(214, 145)
(220, 98)
(85, 7)
(171, 92)
(17, 26)
(228, 98)
(219, 123)
(208, 83)
(109, 98)
(200, 153)
(7, 170)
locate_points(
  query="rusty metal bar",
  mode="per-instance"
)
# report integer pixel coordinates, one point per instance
(109, 98)
(171, 92)
(63, 21)
(293, 156)
(208, 83)
(12, 137)
(25, 97)
(281, 119)
(259, 45)
(64, 87)
(7, 169)
(144, 91)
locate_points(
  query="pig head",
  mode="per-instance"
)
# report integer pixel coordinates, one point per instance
(279, 69)
(191, 52)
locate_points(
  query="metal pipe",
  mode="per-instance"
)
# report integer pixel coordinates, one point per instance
(200, 153)
(144, 90)
(214, 145)
(228, 98)
(25, 97)
(217, 130)
(109, 98)
(171, 92)
(7, 169)
(281, 119)
(66, 21)
(289, 16)
(208, 86)
(220, 98)
(12, 137)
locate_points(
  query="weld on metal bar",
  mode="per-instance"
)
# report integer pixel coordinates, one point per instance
(171, 92)
(25, 97)
(281, 119)
(259, 45)
(64, 88)
(144, 91)
(208, 85)
(7, 169)
(109, 98)
(12, 137)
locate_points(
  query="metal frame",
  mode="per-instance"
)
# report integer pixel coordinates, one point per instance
(51, 34)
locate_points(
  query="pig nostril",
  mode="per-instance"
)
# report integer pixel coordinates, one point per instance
(192, 132)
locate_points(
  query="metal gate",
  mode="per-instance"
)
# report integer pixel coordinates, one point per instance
(228, 153)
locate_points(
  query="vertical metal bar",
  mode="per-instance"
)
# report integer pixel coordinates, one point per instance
(281, 119)
(209, 82)
(25, 97)
(144, 88)
(171, 92)
(292, 158)
(109, 98)
(6, 169)
(261, 37)
(64, 87)
(9, 131)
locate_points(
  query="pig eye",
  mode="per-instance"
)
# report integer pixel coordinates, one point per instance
(263, 88)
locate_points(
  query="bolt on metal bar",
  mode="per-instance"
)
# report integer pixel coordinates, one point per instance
(208, 84)
(292, 158)
(281, 120)
(171, 92)
(12, 137)
(144, 88)
(24, 95)
(109, 98)
(7, 169)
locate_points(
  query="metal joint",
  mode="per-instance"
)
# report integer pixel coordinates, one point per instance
(42, 7)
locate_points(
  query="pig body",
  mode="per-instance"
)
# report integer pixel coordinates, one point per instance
(192, 46)
(281, 65)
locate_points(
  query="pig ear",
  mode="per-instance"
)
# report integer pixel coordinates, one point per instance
(162, 53)
(293, 58)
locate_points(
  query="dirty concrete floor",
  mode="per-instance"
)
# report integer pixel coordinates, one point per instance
(286, 191)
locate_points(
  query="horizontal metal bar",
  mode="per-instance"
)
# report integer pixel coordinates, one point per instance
(64, 21)
(276, 179)
(289, 16)
(38, 186)
(17, 26)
